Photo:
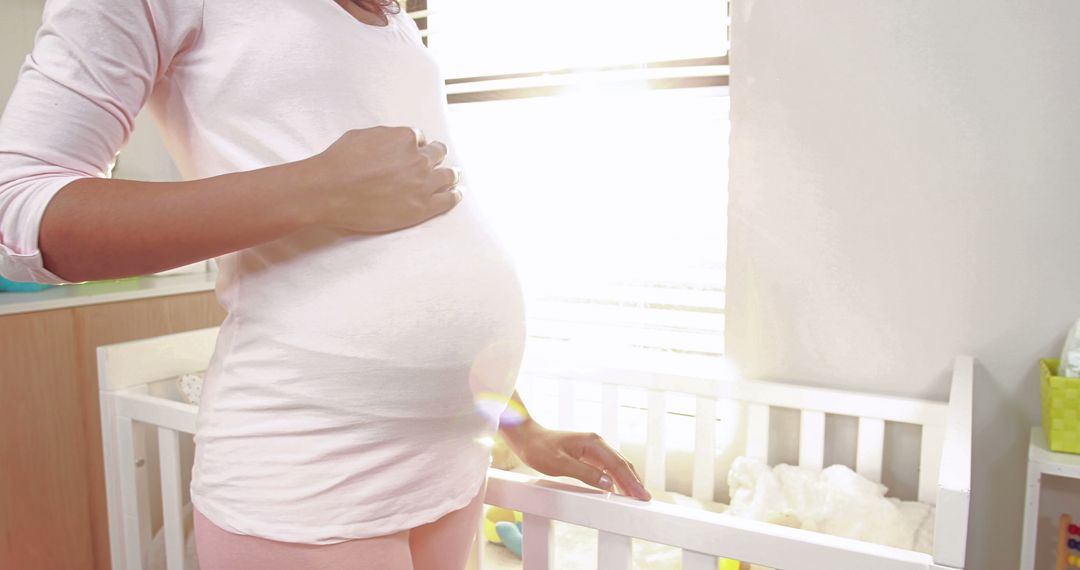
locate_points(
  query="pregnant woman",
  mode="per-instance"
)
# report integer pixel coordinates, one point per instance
(375, 326)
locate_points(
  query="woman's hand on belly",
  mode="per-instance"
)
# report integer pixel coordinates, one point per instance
(378, 180)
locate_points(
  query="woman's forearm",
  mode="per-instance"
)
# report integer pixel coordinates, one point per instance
(371, 180)
(97, 228)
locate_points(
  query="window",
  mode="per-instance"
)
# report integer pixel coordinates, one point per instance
(595, 135)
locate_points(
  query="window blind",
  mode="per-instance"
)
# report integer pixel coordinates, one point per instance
(595, 135)
(525, 48)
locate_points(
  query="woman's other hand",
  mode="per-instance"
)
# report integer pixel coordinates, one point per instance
(582, 455)
(379, 180)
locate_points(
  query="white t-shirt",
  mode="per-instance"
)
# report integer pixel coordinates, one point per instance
(356, 377)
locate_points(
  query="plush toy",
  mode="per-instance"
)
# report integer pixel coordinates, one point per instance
(190, 386)
(502, 457)
(503, 526)
(510, 533)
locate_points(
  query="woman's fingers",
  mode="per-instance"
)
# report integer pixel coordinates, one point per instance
(421, 140)
(637, 476)
(442, 202)
(435, 152)
(446, 195)
(597, 453)
(446, 178)
(587, 473)
(443, 178)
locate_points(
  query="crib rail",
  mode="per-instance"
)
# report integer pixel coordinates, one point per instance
(759, 398)
(945, 433)
(702, 535)
(954, 486)
(130, 415)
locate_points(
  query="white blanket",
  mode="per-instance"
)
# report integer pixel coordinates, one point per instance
(834, 501)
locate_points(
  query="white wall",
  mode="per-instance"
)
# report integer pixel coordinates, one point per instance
(905, 184)
(19, 19)
(144, 158)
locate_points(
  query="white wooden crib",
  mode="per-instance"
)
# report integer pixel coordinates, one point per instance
(135, 404)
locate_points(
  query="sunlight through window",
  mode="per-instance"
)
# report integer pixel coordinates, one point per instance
(595, 137)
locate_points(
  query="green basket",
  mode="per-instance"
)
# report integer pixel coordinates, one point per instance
(1060, 407)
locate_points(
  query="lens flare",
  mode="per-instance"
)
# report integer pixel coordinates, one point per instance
(514, 414)
(493, 374)
(490, 405)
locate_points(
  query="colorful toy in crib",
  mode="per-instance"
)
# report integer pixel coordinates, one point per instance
(503, 526)
(1068, 541)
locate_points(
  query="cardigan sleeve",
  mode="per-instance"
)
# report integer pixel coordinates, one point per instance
(93, 65)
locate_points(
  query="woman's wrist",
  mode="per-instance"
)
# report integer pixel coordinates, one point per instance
(516, 432)
(299, 188)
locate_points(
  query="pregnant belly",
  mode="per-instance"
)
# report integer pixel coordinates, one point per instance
(420, 324)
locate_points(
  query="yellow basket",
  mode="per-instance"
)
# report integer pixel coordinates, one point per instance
(1060, 407)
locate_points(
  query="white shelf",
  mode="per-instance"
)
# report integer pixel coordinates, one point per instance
(1050, 462)
(1041, 461)
(64, 296)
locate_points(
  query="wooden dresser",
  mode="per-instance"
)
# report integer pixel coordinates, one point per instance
(52, 490)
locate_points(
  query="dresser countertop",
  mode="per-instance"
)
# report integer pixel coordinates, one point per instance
(64, 296)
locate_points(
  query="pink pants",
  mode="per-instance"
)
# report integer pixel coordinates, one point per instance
(443, 544)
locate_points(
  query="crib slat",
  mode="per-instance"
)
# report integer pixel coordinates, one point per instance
(538, 546)
(171, 497)
(933, 440)
(871, 442)
(613, 551)
(610, 414)
(566, 404)
(697, 561)
(757, 431)
(136, 513)
(655, 460)
(812, 439)
(705, 449)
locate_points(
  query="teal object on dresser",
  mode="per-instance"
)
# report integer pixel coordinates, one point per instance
(15, 286)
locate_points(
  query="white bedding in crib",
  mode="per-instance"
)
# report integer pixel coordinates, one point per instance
(834, 500)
